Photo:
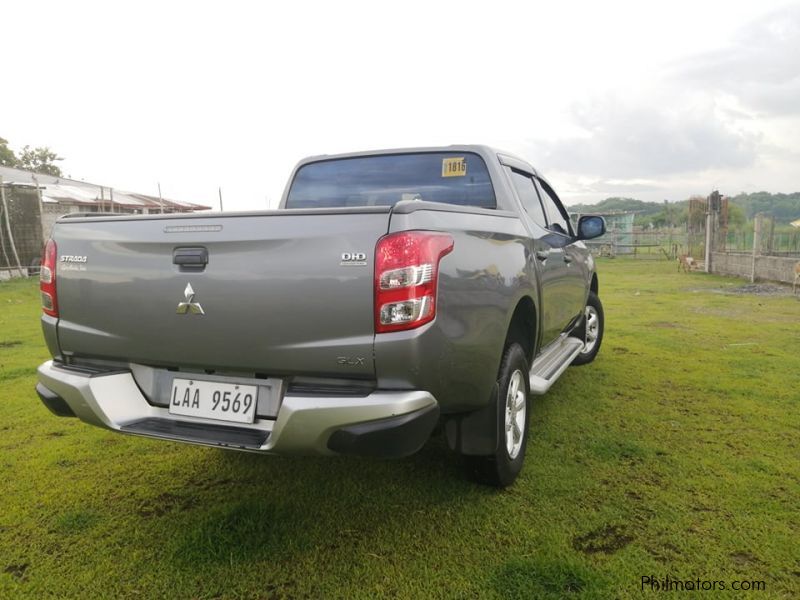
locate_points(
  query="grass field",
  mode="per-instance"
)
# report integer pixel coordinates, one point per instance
(676, 453)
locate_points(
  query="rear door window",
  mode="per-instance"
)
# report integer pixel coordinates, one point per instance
(528, 196)
(459, 178)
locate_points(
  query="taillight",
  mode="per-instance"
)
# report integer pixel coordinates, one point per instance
(47, 280)
(406, 275)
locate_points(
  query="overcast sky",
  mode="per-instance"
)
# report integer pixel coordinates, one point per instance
(650, 100)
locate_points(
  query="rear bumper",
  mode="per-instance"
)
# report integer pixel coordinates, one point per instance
(385, 424)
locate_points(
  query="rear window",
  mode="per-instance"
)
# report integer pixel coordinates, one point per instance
(451, 177)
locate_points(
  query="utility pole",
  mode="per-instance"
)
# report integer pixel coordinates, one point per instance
(160, 199)
(41, 208)
(102, 199)
(220, 199)
(111, 194)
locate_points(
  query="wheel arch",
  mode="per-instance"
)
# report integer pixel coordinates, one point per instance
(522, 327)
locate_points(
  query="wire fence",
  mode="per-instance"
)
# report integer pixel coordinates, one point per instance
(664, 244)
(772, 243)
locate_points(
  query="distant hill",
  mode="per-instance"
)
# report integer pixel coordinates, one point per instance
(784, 207)
(616, 203)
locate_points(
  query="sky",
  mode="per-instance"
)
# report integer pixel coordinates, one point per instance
(638, 99)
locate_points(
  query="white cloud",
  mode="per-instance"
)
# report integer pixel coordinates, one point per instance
(760, 66)
(627, 141)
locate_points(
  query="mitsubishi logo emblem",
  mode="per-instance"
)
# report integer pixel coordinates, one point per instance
(189, 306)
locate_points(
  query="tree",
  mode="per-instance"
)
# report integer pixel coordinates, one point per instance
(7, 156)
(736, 216)
(39, 160)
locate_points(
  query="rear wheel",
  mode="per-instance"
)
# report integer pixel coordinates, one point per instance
(591, 330)
(513, 416)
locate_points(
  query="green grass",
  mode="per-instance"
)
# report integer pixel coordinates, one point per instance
(675, 453)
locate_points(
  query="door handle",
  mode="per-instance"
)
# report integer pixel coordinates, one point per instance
(190, 259)
(542, 254)
(567, 258)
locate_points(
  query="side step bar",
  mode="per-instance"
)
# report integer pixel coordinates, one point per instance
(551, 363)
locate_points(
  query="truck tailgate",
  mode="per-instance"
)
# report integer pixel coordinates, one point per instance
(276, 295)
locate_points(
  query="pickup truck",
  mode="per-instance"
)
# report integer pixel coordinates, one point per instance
(391, 294)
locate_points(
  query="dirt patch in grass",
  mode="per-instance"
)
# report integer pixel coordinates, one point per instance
(17, 571)
(761, 289)
(9, 343)
(772, 290)
(606, 540)
(744, 559)
(664, 552)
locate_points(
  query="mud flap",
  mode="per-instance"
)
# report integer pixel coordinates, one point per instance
(475, 433)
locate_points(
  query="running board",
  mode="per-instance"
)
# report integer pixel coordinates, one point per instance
(551, 363)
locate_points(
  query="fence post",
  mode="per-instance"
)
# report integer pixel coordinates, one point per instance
(756, 245)
(709, 236)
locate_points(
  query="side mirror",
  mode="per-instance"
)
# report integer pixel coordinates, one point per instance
(590, 227)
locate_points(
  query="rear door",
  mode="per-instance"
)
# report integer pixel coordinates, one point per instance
(549, 258)
(287, 292)
(572, 277)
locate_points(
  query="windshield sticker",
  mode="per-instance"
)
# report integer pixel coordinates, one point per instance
(454, 167)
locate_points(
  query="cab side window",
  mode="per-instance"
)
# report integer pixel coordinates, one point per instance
(526, 190)
(556, 216)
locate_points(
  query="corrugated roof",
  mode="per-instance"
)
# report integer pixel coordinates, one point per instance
(71, 191)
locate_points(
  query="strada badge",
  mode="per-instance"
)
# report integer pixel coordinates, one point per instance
(69, 258)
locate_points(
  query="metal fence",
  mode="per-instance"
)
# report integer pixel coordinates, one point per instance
(665, 244)
(767, 252)
(771, 243)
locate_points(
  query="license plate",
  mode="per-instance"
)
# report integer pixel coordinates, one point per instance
(214, 400)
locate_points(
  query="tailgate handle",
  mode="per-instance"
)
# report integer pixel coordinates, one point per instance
(190, 259)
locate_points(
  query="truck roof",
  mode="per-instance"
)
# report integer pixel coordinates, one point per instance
(480, 149)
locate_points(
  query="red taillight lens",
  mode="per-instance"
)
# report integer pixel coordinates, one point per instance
(406, 276)
(47, 280)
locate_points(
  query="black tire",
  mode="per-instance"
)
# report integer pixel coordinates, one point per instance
(593, 305)
(501, 468)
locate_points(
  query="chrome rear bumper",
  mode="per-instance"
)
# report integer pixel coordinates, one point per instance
(304, 425)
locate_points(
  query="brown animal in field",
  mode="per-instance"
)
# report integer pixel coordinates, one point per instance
(687, 263)
(796, 276)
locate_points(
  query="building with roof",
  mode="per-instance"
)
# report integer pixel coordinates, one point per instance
(33, 202)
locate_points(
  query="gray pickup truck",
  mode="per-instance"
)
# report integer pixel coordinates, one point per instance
(391, 291)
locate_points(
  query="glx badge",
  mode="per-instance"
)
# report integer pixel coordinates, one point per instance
(190, 305)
